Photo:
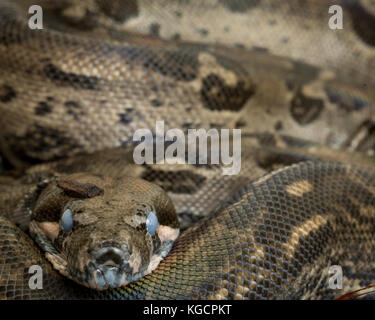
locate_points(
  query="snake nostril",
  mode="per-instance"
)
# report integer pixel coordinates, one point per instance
(110, 256)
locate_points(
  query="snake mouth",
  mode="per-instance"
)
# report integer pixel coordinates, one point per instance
(111, 256)
(110, 267)
(107, 277)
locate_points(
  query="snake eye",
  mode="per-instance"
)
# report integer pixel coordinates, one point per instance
(67, 220)
(152, 223)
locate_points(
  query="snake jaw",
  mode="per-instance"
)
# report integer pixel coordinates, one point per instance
(59, 262)
(166, 235)
(108, 278)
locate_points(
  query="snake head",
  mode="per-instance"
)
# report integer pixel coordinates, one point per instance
(103, 232)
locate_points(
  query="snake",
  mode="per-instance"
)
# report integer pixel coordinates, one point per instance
(76, 205)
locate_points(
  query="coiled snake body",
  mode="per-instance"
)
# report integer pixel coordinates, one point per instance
(99, 70)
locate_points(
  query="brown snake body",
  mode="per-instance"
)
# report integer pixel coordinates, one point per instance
(75, 92)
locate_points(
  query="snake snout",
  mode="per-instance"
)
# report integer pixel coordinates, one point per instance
(110, 267)
(111, 257)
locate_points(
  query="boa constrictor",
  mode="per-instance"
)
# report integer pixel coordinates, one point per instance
(74, 92)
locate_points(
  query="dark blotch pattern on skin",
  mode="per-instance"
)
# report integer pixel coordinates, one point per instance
(216, 95)
(43, 108)
(74, 109)
(263, 138)
(179, 65)
(304, 110)
(240, 123)
(154, 29)
(38, 140)
(119, 10)
(272, 22)
(182, 181)
(278, 125)
(187, 125)
(296, 142)
(240, 45)
(260, 49)
(306, 72)
(176, 37)
(203, 32)
(172, 64)
(7, 93)
(290, 85)
(125, 118)
(77, 81)
(156, 103)
(8, 15)
(269, 161)
(239, 5)
(10, 39)
(363, 22)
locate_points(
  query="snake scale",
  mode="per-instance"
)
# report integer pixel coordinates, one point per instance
(72, 95)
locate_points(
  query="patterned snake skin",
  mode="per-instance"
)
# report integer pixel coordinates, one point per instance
(74, 93)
